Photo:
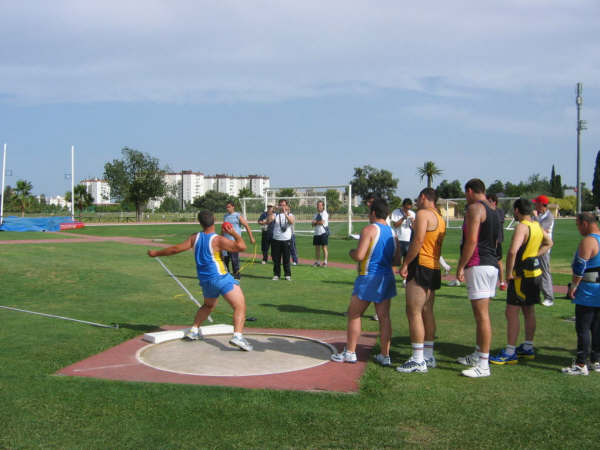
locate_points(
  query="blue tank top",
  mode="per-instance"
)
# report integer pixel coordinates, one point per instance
(233, 219)
(588, 294)
(209, 263)
(380, 253)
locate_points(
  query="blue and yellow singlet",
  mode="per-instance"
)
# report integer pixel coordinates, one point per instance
(209, 263)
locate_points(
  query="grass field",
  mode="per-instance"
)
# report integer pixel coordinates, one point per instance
(530, 405)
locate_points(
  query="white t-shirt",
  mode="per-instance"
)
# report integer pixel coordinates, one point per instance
(320, 229)
(282, 231)
(403, 232)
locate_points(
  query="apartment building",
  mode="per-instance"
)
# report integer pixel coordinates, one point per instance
(98, 189)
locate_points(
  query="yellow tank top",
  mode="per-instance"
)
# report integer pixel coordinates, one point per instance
(527, 264)
(429, 255)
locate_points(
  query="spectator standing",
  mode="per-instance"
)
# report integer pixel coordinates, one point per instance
(266, 233)
(237, 221)
(546, 220)
(402, 222)
(493, 199)
(283, 220)
(321, 234)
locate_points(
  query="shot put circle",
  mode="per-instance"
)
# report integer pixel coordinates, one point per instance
(214, 356)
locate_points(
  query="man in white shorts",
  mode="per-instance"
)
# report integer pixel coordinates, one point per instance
(478, 266)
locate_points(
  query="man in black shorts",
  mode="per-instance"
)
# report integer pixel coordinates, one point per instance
(493, 199)
(321, 234)
(524, 275)
(421, 269)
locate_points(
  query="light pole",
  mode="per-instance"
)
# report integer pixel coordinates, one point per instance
(581, 125)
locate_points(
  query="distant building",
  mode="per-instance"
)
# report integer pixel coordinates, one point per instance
(98, 189)
(189, 185)
(58, 201)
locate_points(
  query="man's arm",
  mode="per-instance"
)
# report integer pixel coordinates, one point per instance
(174, 249)
(290, 217)
(420, 229)
(366, 235)
(547, 244)
(473, 220)
(222, 243)
(244, 222)
(588, 248)
(519, 236)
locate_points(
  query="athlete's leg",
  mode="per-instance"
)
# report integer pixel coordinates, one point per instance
(236, 299)
(513, 323)
(416, 296)
(355, 310)
(204, 311)
(428, 316)
(325, 253)
(317, 253)
(385, 325)
(530, 322)
(481, 311)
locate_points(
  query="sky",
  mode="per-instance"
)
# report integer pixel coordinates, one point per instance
(302, 92)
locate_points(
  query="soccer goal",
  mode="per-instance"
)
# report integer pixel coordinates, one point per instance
(453, 211)
(303, 204)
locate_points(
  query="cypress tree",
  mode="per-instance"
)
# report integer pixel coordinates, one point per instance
(596, 181)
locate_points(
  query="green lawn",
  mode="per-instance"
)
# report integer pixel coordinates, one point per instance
(530, 405)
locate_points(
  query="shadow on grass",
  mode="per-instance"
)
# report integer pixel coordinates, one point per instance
(139, 327)
(302, 309)
(337, 282)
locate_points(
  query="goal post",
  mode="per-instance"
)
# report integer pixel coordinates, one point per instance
(303, 200)
(453, 210)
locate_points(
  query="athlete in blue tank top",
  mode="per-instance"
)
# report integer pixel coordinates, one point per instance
(375, 283)
(213, 276)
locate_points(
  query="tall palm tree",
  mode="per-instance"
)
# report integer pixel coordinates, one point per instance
(83, 199)
(23, 194)
(429, 170)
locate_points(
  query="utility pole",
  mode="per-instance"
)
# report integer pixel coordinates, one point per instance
(182, 204)
(581, 125)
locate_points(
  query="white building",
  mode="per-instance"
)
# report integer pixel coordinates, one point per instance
(98, 189)
(58, 201)
(191, 184)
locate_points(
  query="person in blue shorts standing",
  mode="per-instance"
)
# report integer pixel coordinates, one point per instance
(213, 276)
(375, 283)
(585, 292)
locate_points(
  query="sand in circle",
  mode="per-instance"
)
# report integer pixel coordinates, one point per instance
(214, 356)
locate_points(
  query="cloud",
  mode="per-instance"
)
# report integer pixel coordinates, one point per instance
(205, 51)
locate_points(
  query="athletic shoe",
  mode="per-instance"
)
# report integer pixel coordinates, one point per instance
(431, 362)
(502, 286)
(477, 372)
(316, 264)
(525, 354)
(345, 356)
(242, 343)
(275, 278)
(575, 370)
(469, 360)
(548, 302)
(412, 366)
(502, 358)
(324, 264)
(288, 278)
(383, 360)
(454, 283)
(192, 335)
(376, 317)
(294, 264)
(263, 262)
(595, 366)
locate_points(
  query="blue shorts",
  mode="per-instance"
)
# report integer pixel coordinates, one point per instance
(219, 285)
(375, 288)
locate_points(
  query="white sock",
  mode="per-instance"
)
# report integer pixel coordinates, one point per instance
(510, 350)
(417, 352)
(238, 335)
(484, 362)
(528, 345)
(194, 329)
(428, 349)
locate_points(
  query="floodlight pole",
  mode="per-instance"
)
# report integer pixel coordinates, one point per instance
(73, 183)
(2, 193)
(581, 125)
(349, 209)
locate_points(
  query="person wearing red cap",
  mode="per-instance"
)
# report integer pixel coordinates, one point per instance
(546, 219)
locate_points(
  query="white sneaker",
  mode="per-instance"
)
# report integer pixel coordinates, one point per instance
(469, 360)
(288, 278)
(548, 302)
(477, 372)
(595, 366)
(275, 278)
(412, 366)
(383, 360)
(294, 264)
(376, 317)
(431, 362)
(316, 264)
(242, 343)
(454, 283)
(263, 262)
(192, 335)
(345, 356)
(324, 264)
(575, 370)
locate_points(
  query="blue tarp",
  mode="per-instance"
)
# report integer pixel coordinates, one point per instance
(12, 223)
